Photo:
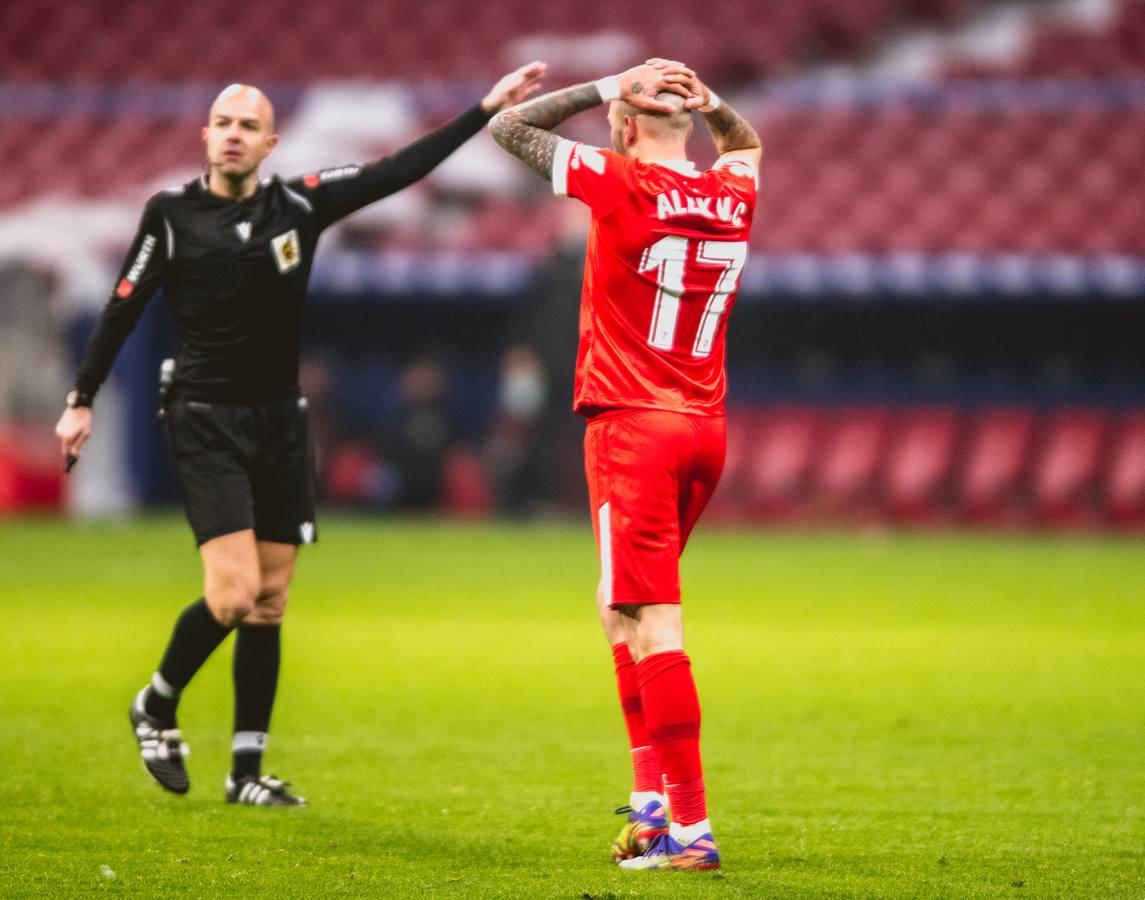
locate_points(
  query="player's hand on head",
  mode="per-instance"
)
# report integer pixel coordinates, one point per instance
(658, 62)
(640, 85)
(698, 93)
(515, 87)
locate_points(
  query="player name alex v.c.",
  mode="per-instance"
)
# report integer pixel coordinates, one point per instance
(670, 204)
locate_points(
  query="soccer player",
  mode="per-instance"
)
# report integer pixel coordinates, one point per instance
(232, 254)
(666, 247)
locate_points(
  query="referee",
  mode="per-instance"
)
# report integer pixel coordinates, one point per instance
(232, 254)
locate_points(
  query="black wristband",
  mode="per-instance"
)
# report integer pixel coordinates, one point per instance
(77, 399)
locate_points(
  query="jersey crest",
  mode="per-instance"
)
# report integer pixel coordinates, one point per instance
(287, 251)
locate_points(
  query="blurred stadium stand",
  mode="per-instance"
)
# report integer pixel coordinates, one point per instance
(927, 466)
(939, 322)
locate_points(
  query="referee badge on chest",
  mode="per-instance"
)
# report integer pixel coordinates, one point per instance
(287, 251)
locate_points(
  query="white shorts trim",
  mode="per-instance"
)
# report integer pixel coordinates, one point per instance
(604, 520)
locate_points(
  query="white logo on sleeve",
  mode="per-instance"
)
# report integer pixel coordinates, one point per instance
(287, 251)
(740, 167)
(588, 156)
(306, 532)
(243, 228)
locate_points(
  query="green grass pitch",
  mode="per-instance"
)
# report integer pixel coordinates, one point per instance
(894, 716)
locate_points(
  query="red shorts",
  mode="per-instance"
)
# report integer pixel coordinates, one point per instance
(650, 475)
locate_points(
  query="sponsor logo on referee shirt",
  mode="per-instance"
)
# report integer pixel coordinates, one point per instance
(127, 285)
(287, 251)
(243, 228)
(306, 532)
(327, 175)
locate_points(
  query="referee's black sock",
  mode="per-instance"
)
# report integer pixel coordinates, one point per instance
(258, 651)
(197, 633)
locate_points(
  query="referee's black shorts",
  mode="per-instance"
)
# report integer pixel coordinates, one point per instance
(248, 465)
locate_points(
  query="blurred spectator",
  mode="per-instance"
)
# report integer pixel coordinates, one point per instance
(533, 453)
(31, 383)
(315, 380)
(31, 371)
(398, 463)
(418, 445)
(510, 454)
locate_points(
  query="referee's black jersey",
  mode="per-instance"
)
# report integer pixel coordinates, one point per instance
(235, 272)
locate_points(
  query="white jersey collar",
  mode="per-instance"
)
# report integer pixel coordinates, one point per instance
(683, 166)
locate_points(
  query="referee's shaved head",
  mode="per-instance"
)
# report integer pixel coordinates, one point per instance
(238, 136)
(246, 97)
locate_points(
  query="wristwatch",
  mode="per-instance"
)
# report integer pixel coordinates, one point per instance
(76, 399)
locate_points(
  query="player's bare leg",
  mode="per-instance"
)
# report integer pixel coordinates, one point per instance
(256, 667)
(672, 714)
(647, 809)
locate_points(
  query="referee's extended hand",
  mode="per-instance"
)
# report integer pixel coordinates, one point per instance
(73, 430)
(514, 87)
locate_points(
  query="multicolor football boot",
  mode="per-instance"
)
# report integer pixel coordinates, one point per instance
(641, 829)
(667, 853)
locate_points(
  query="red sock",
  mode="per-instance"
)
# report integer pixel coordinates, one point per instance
(645, 767)
(672, 715)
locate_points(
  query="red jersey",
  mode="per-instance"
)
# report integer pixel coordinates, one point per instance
(666, 248)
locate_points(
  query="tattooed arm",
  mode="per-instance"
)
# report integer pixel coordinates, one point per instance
(731, 132)
(526, 130)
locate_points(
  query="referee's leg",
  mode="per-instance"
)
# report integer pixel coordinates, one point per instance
(231, 576)
(258, 651)
(231, 587)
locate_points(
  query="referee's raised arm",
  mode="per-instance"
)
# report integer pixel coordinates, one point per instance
(337, 192)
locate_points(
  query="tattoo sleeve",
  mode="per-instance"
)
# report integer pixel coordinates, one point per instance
(730, 130)
(526, 131)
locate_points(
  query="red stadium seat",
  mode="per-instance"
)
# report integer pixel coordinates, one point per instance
(917, 464)
(1124, 479)
(844, 473)
(466, 491)
(30, 474)
(778, 462)
(1063, 481)
(995, 460)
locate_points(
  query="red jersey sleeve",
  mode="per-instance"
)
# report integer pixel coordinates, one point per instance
(598, 178)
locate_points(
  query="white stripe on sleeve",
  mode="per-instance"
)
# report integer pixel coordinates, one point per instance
(561, 160)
